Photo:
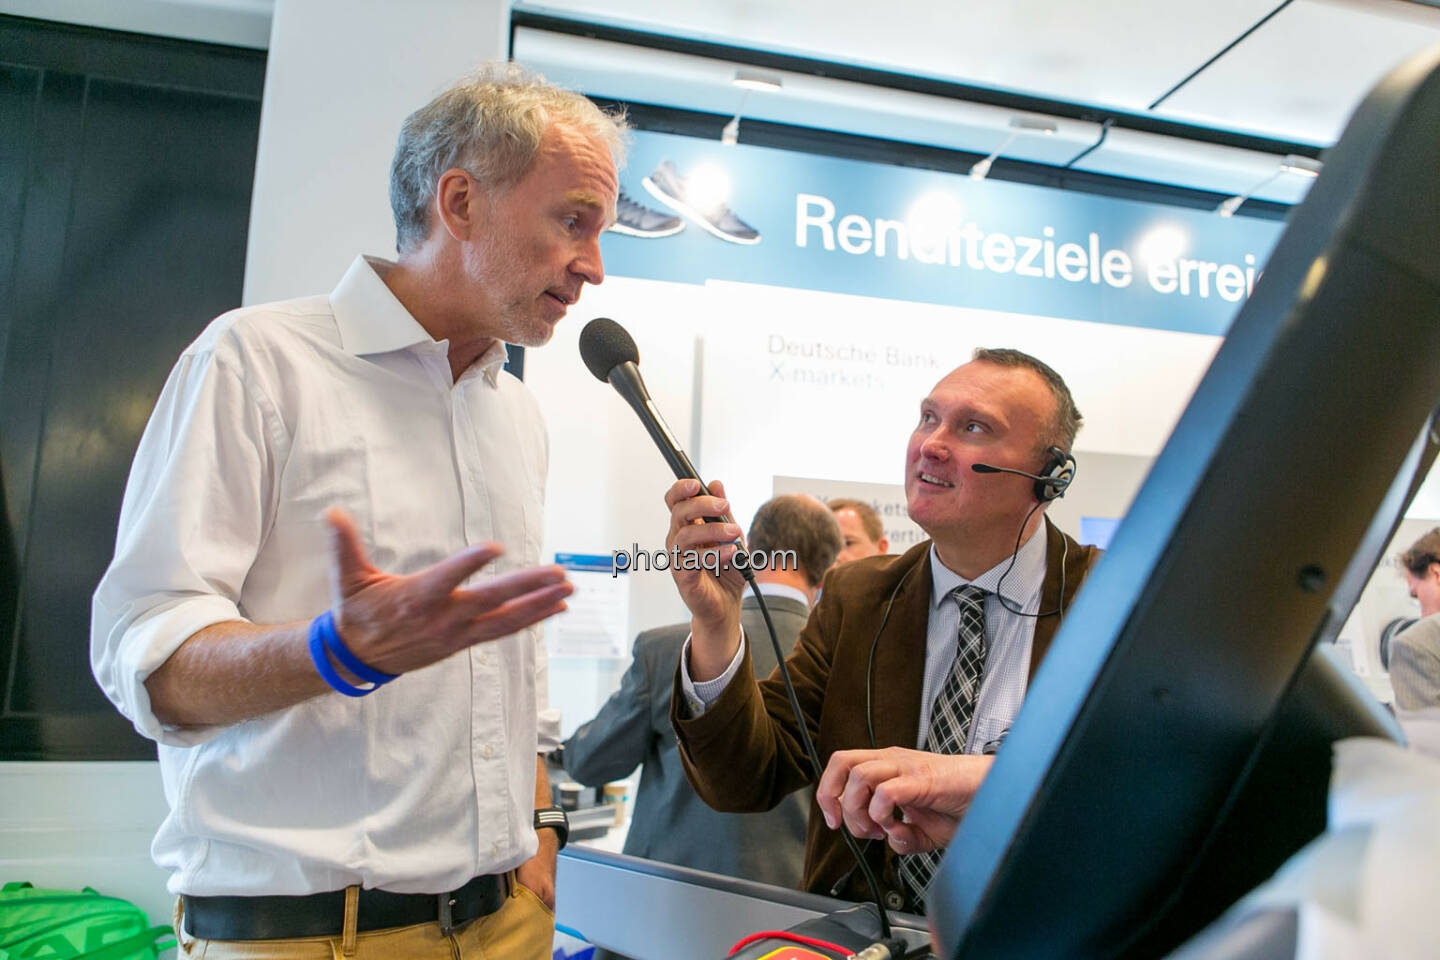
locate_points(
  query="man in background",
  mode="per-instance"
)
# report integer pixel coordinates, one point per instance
(324, 599)
(670, 822)
(861, 527)
(1415, 653)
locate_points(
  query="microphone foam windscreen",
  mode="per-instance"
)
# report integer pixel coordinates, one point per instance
(604, 345)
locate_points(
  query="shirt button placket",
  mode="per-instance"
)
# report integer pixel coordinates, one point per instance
(487, 759)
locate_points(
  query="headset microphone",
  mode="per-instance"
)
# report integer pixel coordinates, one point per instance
(1051, 482)
(987, 468)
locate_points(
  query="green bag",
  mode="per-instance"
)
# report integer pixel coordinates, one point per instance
(65, 925)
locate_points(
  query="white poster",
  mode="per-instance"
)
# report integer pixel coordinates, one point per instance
(596, 623)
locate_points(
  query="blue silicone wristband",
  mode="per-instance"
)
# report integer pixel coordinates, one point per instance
(348, 660)
(322, 663)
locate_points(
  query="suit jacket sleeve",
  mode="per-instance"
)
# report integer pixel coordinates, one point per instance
(1414, 671)
(744, 753)
(614, 743)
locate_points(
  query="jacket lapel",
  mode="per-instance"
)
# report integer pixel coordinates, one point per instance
(1074, 572)
(900, 659)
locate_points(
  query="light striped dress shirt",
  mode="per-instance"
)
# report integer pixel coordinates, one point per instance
(1008, 638)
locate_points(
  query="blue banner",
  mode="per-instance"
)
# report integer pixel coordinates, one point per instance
(588, 562)
(792, 219)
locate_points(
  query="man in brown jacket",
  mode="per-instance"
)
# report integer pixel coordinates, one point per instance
(952, 630)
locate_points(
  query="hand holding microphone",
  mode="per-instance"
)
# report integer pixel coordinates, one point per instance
(699, 520)
(713, 599)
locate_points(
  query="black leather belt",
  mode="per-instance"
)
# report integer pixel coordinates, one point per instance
(323, 914)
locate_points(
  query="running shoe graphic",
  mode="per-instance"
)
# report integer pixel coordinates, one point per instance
(667, 186)
(634, 220)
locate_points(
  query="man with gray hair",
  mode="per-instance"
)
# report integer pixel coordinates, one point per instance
(325, 600)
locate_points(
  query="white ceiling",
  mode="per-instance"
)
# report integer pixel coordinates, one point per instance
(1300, 75)
(1297, 77)
(642, 75)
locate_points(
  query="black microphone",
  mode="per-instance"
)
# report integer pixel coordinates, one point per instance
(1057, 484)
(987, 468)
(610, 354)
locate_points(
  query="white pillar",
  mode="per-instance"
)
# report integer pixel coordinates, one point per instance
(341, 77)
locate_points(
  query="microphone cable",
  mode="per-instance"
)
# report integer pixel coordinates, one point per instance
(813, 755)
(1014, 554)
(610, 354)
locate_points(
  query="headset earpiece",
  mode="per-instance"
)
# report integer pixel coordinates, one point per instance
(1056, 475)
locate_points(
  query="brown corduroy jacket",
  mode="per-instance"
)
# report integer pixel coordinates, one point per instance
(744, 753)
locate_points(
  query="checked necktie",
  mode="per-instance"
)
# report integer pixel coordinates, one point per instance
(950, 715)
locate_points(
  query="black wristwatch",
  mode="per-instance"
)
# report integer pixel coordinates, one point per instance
(554, 818)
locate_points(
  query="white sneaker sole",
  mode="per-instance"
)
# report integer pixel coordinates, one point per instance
(694, 216)
(620, 228)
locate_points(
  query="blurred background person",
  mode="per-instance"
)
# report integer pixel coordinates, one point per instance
(670, 822)
(861, 527)
(1415, 652)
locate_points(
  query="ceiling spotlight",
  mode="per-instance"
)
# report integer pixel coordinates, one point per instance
(749, 81)
(1290, 163)
(756, 80)
(1228, 208)
(1302, 166)
(1163, 243)
(1018, 125)
(730, 135)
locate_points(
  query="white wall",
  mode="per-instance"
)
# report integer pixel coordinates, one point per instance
(72, 825)
(341, 77)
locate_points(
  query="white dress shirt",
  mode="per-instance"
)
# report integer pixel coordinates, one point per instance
(698, 696)
(1008, 637)
(274, 414)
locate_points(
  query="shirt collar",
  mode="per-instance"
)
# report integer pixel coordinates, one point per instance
(492, 361)
(371, 319)
(1022, 583)
(783, 590)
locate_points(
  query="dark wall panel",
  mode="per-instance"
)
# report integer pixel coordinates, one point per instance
(131, 203)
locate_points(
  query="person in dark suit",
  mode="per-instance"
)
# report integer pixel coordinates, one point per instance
(931, 650)
(670, 822)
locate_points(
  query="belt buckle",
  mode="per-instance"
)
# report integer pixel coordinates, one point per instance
(447, 918)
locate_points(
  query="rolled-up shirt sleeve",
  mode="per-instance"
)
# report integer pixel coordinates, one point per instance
(547, 718)
(190, 525)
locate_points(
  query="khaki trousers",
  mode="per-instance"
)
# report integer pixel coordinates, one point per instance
(522, 929)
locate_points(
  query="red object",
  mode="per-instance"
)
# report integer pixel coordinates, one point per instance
(791, 953)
